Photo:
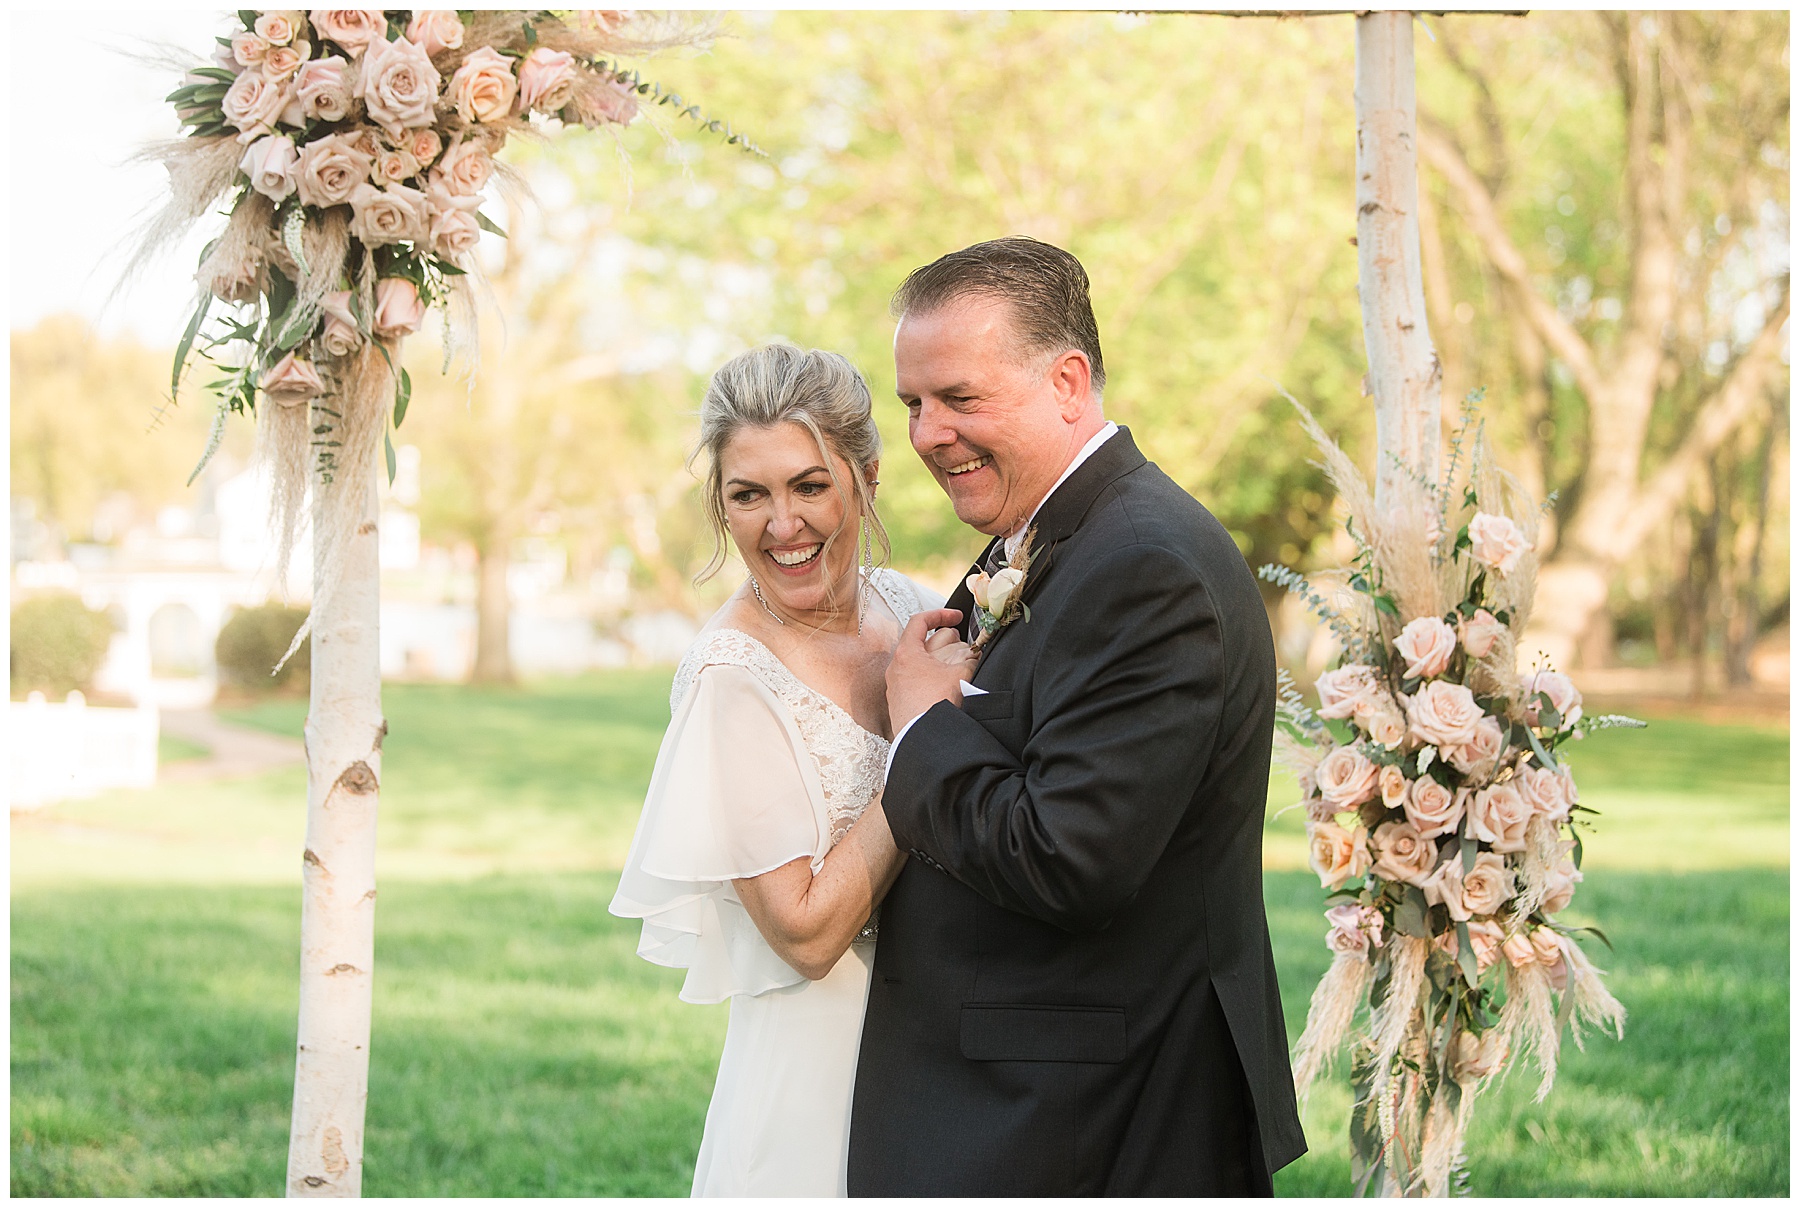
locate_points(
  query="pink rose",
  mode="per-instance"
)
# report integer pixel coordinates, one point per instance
(331, 168)
(466, 168)
(424, 146)
(398, 85)
(238, 282)
(1568, 783)
(1550, 950)
(1354, 928)
(1477, 1056)
(340, 336)
(395, 214)
(1518, 950)
(398, 309)
(1479, 633)
(1337, 854)
(1560, 882)
(1392, 782)
(283, 61)
(436, 30)
(1402, 854)
(1561, 691)
(483, 87)
(253, 104)
(1383, 723)
(247, 50)
(454, 228)
(1478, 757)
(1496, 542)
(1342, 690)
(1434, 809)
(1542, 790)
(270, 163)
(1443, 714)
(1482, 890)
(1426, 644)
(292, 381)
(222, 56)
(546, 80)
(324, 92)
(1498, 816)
(392, 166)
(1346, 778)
(601, 20)
(1485, 938)
(351, 28)
(602, 101)
(278, 28)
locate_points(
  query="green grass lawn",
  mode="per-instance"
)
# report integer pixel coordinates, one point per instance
(522, 1049)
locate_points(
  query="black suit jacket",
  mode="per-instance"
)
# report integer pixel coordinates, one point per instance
(1074, 985)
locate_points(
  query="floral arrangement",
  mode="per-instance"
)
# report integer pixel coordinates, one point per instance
(1441, 814)
(352, 149)
(999, 598)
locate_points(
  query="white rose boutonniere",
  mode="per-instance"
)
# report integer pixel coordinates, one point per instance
(997, 601)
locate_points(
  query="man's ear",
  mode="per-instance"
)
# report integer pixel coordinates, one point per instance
(1071, 377)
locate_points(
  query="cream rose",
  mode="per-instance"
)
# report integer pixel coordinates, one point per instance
(1478, 757)
(1444, 887)
(324, 91)
(351, 28)
(238, 282)
(1401, 854)
(1385, 726)
(483, 87)
(283, 61)
(393, 166)
(1486, 939)
(1477, 1056)
(1486, 886)
(1518, 950)
(436, 30)
(292, 381)
(1551, 953)
(247, 50)
(331, 169)
(1426, 643)
(546, 80)
(1479, 632)
(466, 168)
(424, 146)
(1392, 782)
(1346, 778)
(1432, 808)
(606, 101)
(1342, 690)
(994, 593)
(398, 86)
(270, 162)
(1337, 855)
(253, 104)
(454, 228)
(339, 337)
(1354, 928)
(1498, 815)
(398, 308)
(1542, 790)
(1443, 714)
(395, 214)
(1496, 542)
(279, 27)
(1562, 693)
(1560, 882)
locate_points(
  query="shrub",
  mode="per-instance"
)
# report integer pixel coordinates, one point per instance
(253, 641)
(57, 644)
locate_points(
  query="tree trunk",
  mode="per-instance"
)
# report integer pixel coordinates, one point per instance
(493, 615)
(344, 729)
(1404, 375)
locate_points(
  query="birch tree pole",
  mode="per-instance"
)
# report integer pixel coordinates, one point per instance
(1404, 375)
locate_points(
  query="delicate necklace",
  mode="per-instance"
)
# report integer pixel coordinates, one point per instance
(756, 590)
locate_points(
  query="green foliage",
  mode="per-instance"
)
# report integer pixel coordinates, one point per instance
(58, 643)
(253, 641)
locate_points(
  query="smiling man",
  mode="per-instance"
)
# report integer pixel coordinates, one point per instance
(1073, 991)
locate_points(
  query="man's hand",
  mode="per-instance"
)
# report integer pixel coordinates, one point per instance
(917, 678)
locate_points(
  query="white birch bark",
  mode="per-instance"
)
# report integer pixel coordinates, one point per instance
(1404, 375)
(344, 729)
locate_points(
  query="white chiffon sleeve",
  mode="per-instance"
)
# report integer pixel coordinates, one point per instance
(734, 794)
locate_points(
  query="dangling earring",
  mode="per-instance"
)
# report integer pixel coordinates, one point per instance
(756, 590)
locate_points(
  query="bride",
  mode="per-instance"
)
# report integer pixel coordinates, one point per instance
(762, 850)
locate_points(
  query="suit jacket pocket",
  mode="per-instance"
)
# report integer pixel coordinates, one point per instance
(989, 706)
(997, 1032)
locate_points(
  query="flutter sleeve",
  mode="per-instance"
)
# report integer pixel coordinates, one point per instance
(734, 794)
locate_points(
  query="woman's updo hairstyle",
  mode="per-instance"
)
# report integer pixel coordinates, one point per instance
(820, 391)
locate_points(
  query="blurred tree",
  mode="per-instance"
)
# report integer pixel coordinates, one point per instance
(1619, 183)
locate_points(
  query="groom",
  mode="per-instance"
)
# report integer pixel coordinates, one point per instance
(1073, 992)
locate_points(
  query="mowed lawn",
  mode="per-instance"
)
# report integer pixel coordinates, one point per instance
(522, 1049)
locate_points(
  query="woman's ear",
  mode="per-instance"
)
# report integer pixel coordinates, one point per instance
(872, 476)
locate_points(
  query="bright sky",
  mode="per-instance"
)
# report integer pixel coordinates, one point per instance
(74, 199)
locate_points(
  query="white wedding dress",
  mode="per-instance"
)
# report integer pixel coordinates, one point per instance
(756, 770)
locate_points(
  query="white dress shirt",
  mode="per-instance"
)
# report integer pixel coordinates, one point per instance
(1013, 539)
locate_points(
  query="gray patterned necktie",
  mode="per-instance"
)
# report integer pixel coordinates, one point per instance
(991, 565)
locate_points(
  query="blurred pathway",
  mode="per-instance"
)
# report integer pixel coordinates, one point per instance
(235, 751)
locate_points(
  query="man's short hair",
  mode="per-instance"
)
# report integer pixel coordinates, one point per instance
(1046, 288)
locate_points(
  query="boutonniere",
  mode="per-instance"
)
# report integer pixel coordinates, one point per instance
(997, 602)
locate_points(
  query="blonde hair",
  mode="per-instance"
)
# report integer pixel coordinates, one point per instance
(820, 391)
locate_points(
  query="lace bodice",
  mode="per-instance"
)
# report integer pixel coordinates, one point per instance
(850, 759)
